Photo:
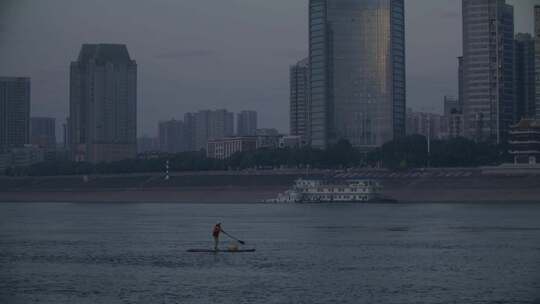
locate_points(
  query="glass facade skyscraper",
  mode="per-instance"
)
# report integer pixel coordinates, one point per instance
(357, 71)
(488, 69)
(537, 57)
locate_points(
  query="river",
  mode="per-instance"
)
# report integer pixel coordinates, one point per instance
(365, 253)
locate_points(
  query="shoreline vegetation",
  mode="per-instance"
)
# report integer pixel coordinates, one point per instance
(485, 184)
(401, 154)
(458, 173)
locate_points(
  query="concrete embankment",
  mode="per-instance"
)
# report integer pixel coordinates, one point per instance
(435, 185)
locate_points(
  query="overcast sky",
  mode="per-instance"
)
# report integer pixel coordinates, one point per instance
(197, 54)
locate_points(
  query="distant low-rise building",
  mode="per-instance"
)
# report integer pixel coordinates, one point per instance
(225, 147)
(268, 138)
(27, 156)
(268, 141)
(22, 157)
(525, 142)
(292, 142)
(267, 132)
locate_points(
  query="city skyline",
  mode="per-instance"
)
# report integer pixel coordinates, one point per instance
(168, 81)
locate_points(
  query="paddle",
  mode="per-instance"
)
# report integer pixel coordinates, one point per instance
(232, 237)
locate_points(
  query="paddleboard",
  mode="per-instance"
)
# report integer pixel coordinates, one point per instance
(220, 250)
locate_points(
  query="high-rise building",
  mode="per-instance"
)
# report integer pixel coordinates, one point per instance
(14, 112)
(146, 144)
(524, 77)
(65, 131)
(357, 71)
(172, 136)
(221, 124)
(190, 128)
(103, 104)
(209, 124)
(43, 132)
(246, 123)
(427, 124)
(488, 69)
(299, 98)
(460, 82)
(202, 129)
(537, 57)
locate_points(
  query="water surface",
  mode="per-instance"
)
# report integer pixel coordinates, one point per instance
(136, 253)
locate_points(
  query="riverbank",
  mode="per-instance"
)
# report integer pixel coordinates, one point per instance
(437, 185)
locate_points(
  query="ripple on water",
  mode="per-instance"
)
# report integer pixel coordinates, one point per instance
(136, 254)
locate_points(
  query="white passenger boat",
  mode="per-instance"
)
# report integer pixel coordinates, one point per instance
(330, 191)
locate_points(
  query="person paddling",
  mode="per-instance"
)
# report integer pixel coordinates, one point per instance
(215, 233)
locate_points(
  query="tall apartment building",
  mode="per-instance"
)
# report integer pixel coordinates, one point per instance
(221, 124)
(146, 144)
(190, 127)
(103, 104)
(172, 136)
(299, 98)
(202, 128)
(246, 123)
(452, 121)
(488, 69)
(357, 71)
(524, 77)
(427, 124)
(14, 112)
(43, 132)
(537, 57)
(208, 125)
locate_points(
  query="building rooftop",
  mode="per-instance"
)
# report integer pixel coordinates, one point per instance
(104, 53)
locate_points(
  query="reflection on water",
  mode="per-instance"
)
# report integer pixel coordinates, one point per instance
(136, 253)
